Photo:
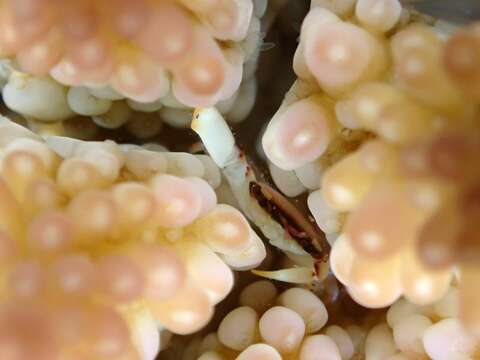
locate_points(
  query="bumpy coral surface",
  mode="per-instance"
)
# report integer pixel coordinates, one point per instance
(113, 60)
(135, 46)
(107, 249)
(103, 245)
(296, 325)
(382, 126)
(272, 326)
(421, 332)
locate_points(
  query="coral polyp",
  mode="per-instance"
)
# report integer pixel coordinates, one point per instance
(104, 245)
(296, 324)
(137, 47)
(112, 61)
(382, 125)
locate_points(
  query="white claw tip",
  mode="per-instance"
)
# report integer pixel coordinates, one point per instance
(217, 137)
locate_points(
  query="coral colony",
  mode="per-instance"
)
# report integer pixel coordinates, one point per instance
(296, 325)
(104, 246)
(359, 238)
(112, 59)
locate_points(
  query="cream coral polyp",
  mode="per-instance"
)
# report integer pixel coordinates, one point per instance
(297, 325)
(433, 331)
(274, 326)
(139, 48)
(383, 109)
(92, 243)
